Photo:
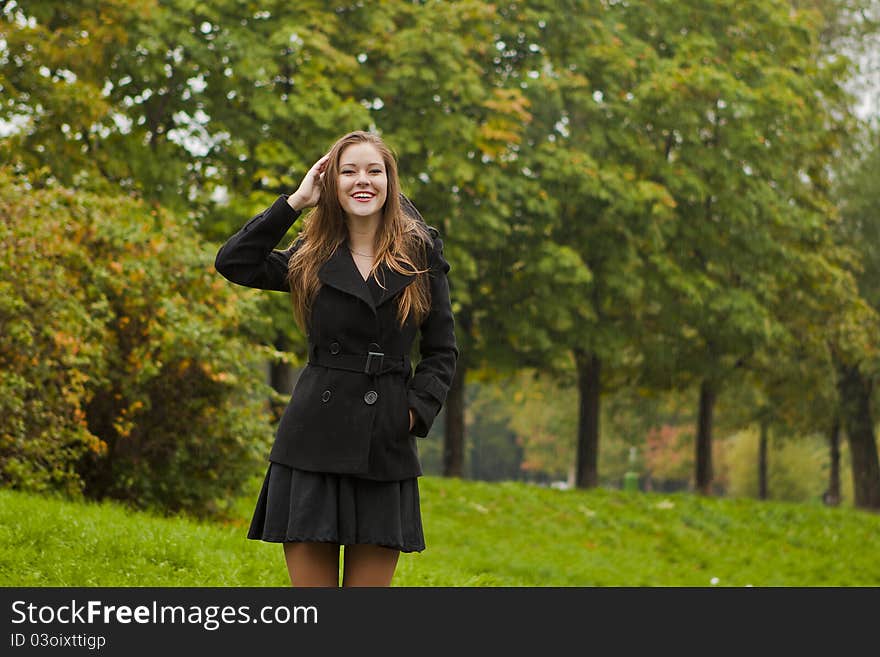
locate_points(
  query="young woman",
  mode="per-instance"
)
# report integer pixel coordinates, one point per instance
(366, 276)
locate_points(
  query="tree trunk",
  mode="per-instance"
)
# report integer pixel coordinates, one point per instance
(832, 496)
(474, 461)
(704, 438)
(855, 406)
(453, 439)
(281, 375)
(762, 462)
(587, 467)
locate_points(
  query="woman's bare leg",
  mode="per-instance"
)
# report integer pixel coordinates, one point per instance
(312, 564)
(369, 565)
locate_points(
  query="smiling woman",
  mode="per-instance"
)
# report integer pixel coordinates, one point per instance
(366, 275)
(363, 182)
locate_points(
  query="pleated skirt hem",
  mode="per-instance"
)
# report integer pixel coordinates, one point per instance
(298, 506)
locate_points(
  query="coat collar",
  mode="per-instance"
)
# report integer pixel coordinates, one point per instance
(342, 273)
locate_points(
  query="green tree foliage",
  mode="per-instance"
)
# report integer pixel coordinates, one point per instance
(541, 414)
(858, 197)
(177, 100)
(127, 368)
(57, 58)
(857, 347)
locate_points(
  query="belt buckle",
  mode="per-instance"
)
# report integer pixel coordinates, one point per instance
(370, 355)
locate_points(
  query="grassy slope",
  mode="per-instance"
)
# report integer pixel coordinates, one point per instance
(478, 534)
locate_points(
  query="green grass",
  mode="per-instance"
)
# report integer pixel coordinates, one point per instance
(478, 534)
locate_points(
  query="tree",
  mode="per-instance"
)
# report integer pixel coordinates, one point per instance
(856, 352)
(578, 213)
(737, 136)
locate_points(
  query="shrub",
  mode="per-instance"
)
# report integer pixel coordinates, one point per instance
(126, 364)
(797, 469)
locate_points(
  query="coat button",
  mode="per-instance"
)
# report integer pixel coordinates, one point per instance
(334, 347)
(371, 397)
(325, 396)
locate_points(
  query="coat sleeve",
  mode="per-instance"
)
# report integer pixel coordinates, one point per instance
(249, 257)
(430, 383)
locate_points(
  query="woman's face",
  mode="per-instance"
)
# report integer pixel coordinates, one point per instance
(362, 185)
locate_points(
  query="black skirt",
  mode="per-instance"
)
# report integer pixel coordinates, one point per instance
(297, 505)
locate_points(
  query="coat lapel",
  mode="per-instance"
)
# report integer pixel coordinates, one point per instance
(342, 273)
(393, 281)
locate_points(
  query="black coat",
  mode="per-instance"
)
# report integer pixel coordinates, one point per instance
(349, 411)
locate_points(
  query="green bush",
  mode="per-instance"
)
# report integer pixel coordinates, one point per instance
(127, 368)
(797, 469)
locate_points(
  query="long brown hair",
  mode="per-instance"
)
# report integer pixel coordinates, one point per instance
(400, 242)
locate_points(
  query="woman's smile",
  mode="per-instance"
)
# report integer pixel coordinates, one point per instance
(362, 182)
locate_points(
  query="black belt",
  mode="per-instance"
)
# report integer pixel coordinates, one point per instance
(372, 362)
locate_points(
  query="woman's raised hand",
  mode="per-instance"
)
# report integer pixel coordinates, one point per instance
(309, 190)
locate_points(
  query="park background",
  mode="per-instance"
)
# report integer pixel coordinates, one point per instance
(663, 221)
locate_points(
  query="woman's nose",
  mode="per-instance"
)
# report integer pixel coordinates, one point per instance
(362, 178)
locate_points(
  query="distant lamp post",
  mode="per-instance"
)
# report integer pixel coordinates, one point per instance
(631, 477)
